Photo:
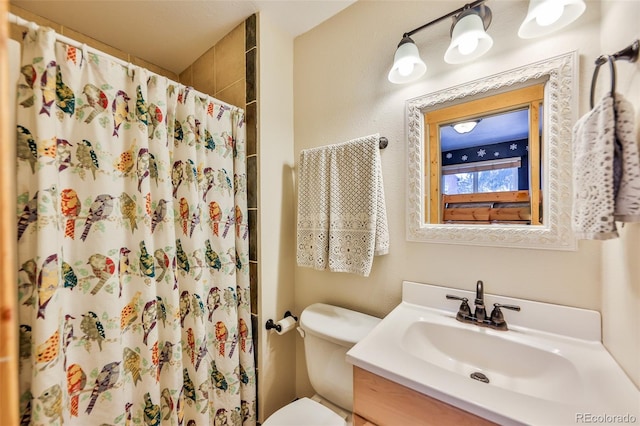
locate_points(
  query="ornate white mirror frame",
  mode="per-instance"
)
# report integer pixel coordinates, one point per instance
(559, 115)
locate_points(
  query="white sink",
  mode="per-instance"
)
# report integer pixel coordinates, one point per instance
(506, 363)
(550, 367)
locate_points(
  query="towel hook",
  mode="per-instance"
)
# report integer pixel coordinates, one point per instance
(612, 69)
(383, 142)
(629, 53)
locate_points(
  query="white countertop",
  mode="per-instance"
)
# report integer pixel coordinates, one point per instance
(599, 387)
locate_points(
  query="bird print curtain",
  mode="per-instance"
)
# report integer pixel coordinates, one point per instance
(133, 250)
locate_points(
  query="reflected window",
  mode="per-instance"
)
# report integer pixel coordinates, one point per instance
(496, 179)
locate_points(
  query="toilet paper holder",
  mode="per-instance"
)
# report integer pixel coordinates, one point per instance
(271, 324)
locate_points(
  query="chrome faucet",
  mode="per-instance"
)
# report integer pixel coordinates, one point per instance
(479, 316)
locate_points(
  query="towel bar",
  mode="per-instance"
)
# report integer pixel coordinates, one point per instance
(383, 142)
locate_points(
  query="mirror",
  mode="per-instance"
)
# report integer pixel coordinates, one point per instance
(491, 186)
(484, 160)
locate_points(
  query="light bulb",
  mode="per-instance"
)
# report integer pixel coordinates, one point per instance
(467, 44)
(465, 126)
(549, 13)
(405, 68)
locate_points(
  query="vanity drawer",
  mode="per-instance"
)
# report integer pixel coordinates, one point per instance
(361, 421)
(380, 401)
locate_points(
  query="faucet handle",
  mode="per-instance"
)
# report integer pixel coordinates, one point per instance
(464, 311)
(451, 296)
(497, 318)
(511, 307)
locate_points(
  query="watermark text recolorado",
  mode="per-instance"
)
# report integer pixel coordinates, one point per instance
(591, 418)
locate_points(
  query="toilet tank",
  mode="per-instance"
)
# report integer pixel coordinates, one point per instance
(329, 332)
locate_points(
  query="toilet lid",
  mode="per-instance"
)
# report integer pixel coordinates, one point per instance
(305, 412)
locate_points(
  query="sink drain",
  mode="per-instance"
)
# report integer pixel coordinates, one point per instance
(479, 377)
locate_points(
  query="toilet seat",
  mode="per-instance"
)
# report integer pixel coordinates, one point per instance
(304, 411)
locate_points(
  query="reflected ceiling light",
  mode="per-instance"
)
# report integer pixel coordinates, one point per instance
(465, 126)
(407, 65)
(547, 16)
(469, 39)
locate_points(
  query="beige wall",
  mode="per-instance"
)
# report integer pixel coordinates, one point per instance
(620, 265)
(341, 92)
(276, 383)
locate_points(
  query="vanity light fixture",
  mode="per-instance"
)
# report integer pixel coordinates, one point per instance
(547, 16)
(407, 65)
(465, 126)
(469, 39)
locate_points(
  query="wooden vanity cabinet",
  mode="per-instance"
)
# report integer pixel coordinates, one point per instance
(382, 402)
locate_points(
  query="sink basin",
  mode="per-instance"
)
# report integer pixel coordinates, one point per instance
(549, 368)
(506, 363)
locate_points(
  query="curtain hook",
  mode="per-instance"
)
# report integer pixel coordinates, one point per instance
(131, 72)
(85, 53)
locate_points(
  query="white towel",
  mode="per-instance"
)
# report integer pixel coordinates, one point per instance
(627, 207)
(598, 202)
(342, 219)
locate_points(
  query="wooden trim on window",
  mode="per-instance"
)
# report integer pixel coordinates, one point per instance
(534, 161)
(434, 175)
(495, 104)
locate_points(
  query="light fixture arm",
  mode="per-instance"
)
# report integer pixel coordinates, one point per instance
(448, 15)
(407, 64)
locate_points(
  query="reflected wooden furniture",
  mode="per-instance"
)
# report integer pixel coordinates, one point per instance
(506, 207)
(382, 402)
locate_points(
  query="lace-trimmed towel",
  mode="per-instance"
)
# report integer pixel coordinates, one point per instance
(342, 218)
(628, 193)
(606, 170)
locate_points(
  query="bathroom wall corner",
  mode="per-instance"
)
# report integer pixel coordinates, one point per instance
(620, 266)
(620, 300)
(276, 241)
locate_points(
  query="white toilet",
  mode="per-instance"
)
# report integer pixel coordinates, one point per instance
(328, 332)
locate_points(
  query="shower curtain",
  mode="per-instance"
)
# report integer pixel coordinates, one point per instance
(133, 252)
